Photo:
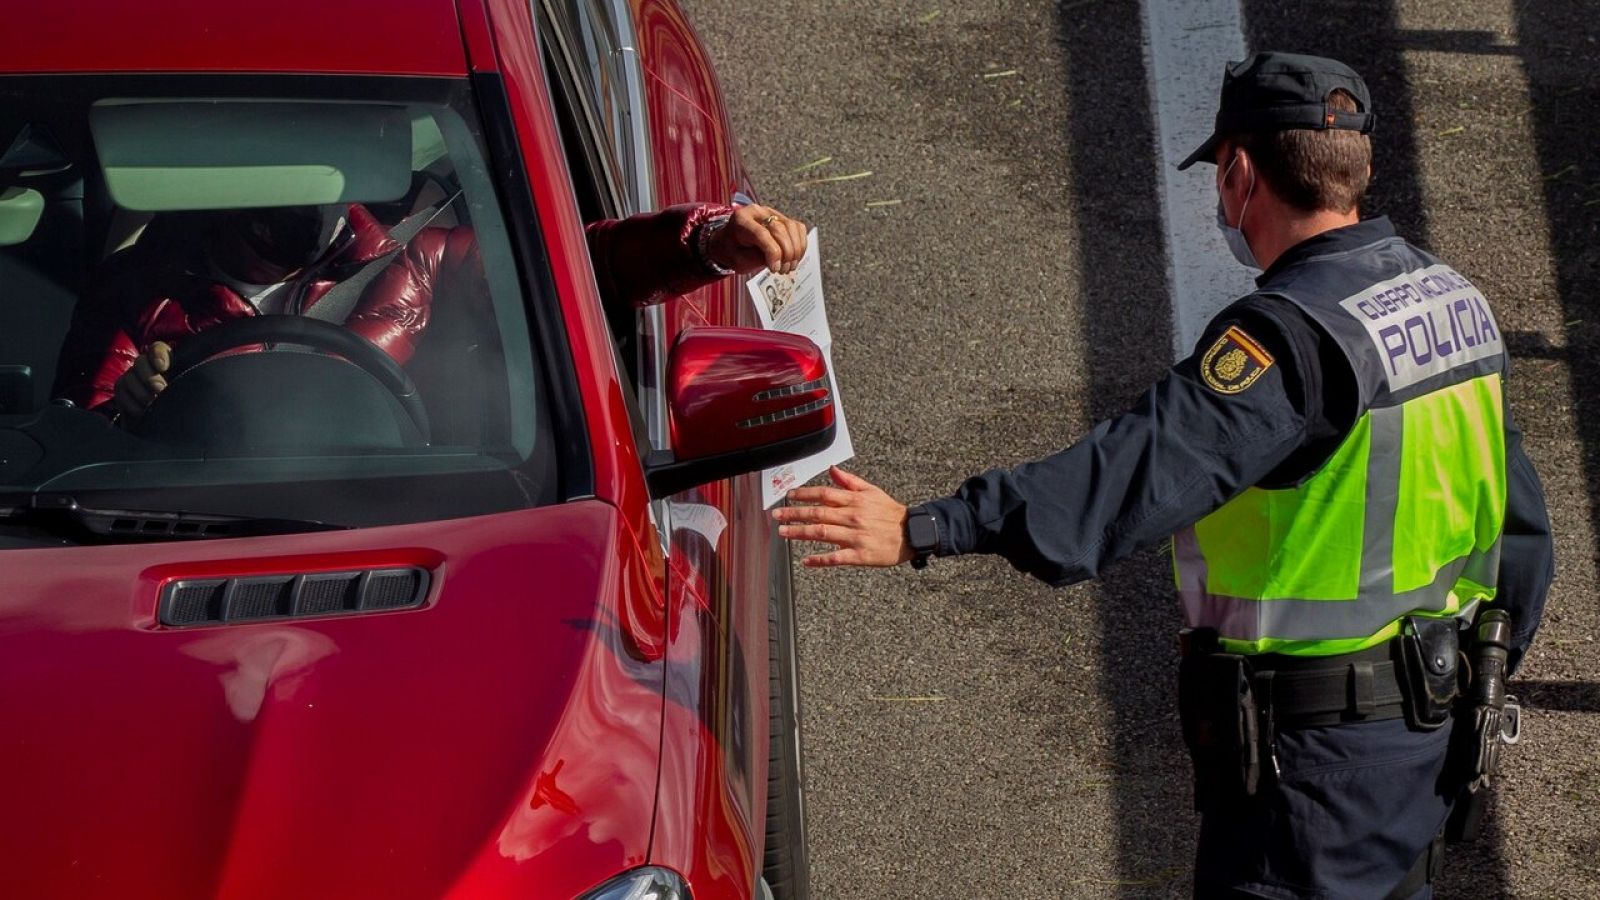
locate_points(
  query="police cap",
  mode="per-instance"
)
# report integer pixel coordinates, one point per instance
(1280, 91)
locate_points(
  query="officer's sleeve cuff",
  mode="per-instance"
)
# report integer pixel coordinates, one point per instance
(956, 525)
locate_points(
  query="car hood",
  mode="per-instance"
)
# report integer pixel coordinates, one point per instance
(504, 736)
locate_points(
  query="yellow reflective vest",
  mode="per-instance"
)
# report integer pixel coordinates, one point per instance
(1405, 517)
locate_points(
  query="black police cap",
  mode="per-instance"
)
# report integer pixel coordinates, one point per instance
(1281, 91)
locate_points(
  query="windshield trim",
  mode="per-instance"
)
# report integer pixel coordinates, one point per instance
(575, 462)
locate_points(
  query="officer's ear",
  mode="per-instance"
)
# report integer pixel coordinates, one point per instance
(1244, 173)
(1227, 162)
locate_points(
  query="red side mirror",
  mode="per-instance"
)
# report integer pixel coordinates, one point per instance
(741, 400)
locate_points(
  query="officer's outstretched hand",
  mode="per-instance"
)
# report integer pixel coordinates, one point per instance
(866, 525)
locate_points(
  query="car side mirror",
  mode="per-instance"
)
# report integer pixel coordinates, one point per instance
(741, 400)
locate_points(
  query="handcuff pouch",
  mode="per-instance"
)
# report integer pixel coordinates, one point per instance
(1430, 649)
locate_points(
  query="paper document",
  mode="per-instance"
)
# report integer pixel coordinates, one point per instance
(793, 303)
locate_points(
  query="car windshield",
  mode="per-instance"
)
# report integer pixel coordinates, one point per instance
(277, 298)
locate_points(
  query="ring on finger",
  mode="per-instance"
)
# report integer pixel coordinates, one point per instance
(767, 222)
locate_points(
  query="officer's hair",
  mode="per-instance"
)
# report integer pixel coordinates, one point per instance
(1314, 170)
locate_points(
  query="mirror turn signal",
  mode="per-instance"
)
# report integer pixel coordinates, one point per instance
(741, 400)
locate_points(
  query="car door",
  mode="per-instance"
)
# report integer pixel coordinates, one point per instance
(650, 146)
(695, 160)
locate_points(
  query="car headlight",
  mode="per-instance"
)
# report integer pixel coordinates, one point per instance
(642, 884)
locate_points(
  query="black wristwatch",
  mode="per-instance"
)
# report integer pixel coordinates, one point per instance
(922, 533)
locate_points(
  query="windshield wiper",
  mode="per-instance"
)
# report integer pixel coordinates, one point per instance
(61, 514)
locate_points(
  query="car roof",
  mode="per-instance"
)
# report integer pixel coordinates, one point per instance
(380, 37)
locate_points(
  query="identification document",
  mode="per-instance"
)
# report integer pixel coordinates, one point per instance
(793, 303)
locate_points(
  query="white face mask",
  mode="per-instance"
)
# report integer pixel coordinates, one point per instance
(1233, 233)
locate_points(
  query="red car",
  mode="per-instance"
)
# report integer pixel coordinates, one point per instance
(504, 620)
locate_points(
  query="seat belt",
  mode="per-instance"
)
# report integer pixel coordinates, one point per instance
(336, 305)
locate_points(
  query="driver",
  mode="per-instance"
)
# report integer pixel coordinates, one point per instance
(145, 300)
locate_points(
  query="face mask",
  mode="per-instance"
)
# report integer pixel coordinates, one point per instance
(1232, 233)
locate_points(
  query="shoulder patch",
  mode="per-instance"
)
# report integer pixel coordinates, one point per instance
(1234, 362)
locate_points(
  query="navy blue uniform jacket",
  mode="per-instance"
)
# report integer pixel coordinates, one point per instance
(1184, 450)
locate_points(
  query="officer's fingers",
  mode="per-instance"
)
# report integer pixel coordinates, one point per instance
(822, 534)
(825, 495)
(820, 514)
(791, 515)
(849, 557)
(160, 355)
(850, 481)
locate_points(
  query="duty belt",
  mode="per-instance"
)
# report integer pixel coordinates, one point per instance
(1305, 691)
(1232, 707)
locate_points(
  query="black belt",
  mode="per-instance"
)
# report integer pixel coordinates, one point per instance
(1302, 691)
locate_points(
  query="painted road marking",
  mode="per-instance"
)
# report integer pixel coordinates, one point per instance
(1187, 43)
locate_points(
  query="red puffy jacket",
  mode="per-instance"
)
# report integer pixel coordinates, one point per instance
(152, 292)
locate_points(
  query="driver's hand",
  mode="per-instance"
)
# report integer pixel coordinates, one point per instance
(757, 236)
(139, 385)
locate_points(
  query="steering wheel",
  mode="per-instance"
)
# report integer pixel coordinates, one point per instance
(326, 336)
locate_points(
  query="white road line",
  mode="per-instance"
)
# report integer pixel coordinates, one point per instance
(1187, 43)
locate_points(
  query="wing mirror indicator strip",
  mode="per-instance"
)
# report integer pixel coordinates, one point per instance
(789, 413)
(776, 393)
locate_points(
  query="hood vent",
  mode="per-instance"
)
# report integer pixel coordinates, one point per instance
(220, 601)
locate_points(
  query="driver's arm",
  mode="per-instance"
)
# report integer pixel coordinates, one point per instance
(650, 257)
(646, 258)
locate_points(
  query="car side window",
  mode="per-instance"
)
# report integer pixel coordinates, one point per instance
(596, 75)
(596, 54)
(591, 161)
(598, 196)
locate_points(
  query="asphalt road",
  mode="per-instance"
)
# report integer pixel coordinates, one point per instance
(997, 283)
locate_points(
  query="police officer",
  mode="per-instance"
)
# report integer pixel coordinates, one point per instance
(1338, 470)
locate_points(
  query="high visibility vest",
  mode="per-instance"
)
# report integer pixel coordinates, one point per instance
(1405, 517)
